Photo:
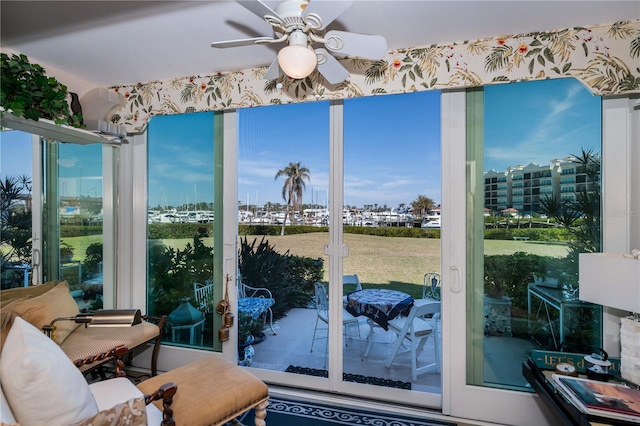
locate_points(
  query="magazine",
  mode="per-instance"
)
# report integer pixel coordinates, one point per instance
(612, 400)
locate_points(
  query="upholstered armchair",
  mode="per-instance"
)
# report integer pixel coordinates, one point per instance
(41, 386)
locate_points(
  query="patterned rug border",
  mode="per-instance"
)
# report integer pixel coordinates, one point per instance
(344, 416)
(357, 378)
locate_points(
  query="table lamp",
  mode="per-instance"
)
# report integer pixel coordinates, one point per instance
(100, 318)
(613, 280)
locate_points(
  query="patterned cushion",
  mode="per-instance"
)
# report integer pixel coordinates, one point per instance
(254, 306)
(129, 413)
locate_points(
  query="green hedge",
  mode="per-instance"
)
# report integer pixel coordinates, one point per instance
(79, 231)
(534, 234)
(158, 231)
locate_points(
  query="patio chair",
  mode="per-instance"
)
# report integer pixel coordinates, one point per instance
(414, 330)
(321, 299)
(256, 302)
(203, 295)
(350, 280)
(431, 288)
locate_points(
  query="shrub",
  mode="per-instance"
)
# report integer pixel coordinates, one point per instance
(509, 275)
(173, 272)
(289, 278)
(92, 259)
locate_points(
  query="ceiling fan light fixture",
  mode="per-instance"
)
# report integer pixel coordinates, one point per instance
(297, 61)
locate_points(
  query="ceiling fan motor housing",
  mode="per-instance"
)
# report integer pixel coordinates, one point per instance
(291, 12)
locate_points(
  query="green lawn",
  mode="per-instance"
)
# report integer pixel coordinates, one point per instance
(400, 262)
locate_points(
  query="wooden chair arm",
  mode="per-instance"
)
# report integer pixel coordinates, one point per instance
(117, 353)
(160, 322)
(164, 393)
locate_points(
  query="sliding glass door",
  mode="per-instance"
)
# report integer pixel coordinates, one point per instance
(391, 226)
(283, 201)
(533, 155)
(365, 180)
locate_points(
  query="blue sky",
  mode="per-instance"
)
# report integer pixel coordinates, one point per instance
(391, 152)
(180, 159)
(538, 121)
(391, 149)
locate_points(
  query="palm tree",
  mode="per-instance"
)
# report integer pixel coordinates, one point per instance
(293, 187)
(422, 205)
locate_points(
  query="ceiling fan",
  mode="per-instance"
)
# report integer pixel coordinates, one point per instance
(303, 23)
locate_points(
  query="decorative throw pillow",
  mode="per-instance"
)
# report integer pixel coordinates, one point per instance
(43, 309)
(40, 382)
(6, 416)
(129, 413)
(9, 295)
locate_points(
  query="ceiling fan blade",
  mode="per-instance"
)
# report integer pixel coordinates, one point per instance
(326, 10)
(239, 42)
(330, 68)
(273, 71)
(354, 44)
(259, 8)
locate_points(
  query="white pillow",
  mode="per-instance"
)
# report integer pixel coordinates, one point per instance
(42, 385)
(6, 416)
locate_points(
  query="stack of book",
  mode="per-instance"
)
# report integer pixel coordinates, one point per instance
(602, 399)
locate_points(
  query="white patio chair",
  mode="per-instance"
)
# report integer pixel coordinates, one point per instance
(413, 331)
(321, 299)
(350, 280)
(256, 301)
(431, 286)
(203, 296)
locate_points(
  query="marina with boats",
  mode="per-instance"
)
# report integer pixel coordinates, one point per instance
(309, 217)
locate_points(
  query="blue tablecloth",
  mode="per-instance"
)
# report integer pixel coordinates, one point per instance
(381, 305)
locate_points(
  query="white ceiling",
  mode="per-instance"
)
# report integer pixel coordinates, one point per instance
(122, 42)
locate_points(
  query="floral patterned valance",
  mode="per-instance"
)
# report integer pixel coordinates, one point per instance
(605, 58)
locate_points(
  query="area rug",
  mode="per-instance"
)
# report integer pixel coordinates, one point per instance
(357, 378)
(282, 412)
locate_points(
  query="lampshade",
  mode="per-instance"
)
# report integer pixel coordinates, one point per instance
(611, 280)
(100, 318)
(297, 61)
(116, 318)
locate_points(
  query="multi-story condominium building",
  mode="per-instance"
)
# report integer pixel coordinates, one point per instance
(522, 187)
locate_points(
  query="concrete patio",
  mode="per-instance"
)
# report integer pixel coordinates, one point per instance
(292, 344)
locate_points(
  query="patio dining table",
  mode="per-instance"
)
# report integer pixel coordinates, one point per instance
(380, 305)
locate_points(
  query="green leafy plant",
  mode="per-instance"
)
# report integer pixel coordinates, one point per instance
(289, 278)
(92, 259)
(508, 274)
(173, 272)
(26, 91)
(15, 220)
(248, 326)
(66, 251)
(579, 217)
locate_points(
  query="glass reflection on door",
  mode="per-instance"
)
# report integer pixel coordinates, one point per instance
(391, 223)
(73, 224)
(181, 224)
(537, 204)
